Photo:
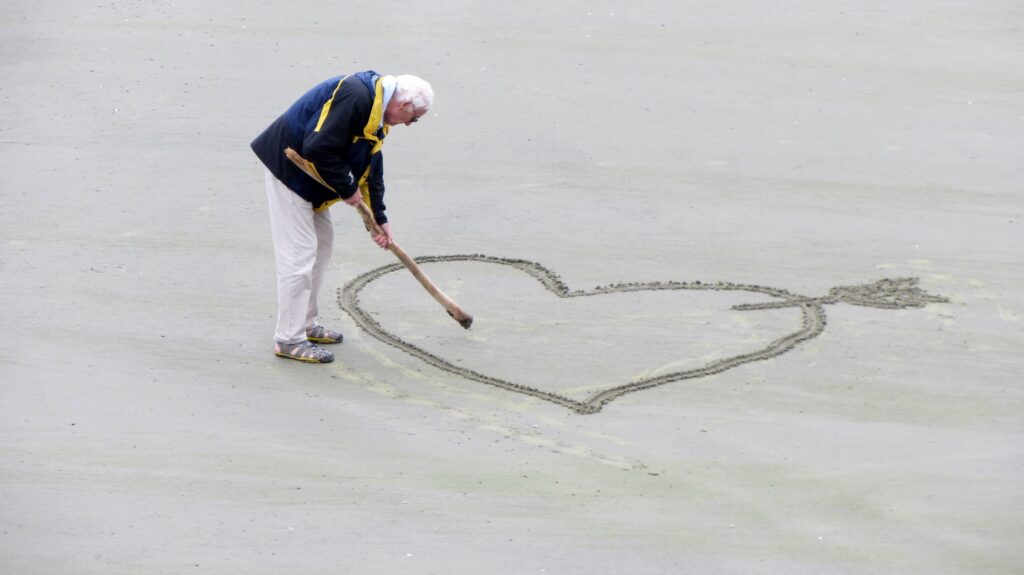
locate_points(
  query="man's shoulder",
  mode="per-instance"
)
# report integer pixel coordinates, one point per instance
(355, 90)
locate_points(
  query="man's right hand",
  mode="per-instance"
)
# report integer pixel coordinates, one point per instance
(354, 199)
(385, 239)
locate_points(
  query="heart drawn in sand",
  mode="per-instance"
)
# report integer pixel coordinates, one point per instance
(886, 294)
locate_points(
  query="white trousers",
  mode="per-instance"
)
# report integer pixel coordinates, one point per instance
(303, 243)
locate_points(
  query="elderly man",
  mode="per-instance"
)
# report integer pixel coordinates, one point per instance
(339, 127)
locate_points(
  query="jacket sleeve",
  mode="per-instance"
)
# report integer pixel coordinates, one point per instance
(341, 120)
(375, 183)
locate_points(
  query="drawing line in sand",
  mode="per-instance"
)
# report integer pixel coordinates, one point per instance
(897, 293)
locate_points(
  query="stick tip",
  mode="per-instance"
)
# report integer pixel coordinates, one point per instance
(464, 319)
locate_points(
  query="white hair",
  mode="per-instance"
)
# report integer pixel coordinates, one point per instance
(414, 89)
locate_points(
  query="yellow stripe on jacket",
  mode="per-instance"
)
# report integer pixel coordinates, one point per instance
(370, 133)
(327, 105)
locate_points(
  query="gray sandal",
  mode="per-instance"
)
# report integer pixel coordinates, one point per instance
(303, 351)
(320, 334)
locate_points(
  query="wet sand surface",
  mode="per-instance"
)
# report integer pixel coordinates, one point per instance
(146, 427)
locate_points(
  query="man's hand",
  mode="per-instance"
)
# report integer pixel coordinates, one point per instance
(384, 240)
(354, 199)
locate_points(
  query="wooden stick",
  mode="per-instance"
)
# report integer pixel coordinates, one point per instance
(453, 309)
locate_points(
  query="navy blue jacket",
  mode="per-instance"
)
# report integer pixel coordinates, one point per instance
(337, 127)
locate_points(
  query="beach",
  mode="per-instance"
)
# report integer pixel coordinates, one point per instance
(603, 187)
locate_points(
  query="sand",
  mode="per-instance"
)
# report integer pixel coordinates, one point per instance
(146, 427)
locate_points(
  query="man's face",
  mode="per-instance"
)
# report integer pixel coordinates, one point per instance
(401, 113)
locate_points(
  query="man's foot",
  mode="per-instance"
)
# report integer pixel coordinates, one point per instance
(320, 334)
(303, 351)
